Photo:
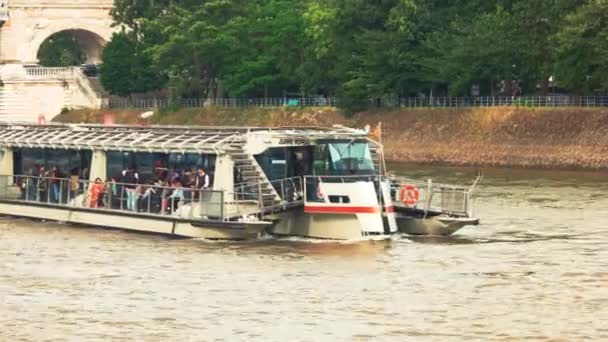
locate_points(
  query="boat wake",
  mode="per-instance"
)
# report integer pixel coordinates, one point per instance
(305, 240)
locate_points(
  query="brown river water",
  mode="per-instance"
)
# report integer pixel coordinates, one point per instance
(535, 269)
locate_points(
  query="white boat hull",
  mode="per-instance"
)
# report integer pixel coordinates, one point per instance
(433, 226)
(134, 222)
(321, 226)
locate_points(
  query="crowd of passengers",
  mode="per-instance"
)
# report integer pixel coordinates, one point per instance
(163, 194)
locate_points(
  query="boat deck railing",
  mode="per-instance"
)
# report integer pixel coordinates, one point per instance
(245, 203)
(432, 197)
(289, 190)
(149, 199)
(454, 200)
(139, 199)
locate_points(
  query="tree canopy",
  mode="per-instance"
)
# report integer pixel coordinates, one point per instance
(60, 50)
(359, 49)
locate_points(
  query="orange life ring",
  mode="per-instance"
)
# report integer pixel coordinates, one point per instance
(409, 194)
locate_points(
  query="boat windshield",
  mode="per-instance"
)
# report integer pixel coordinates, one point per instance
(344, 158)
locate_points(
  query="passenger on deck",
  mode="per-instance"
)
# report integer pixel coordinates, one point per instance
(95, 193)
(201, 182)
(115, 199)
(165, 193)
(187, 181)
(55, 182)
(130, 178)
(172, 176)
(177, 196)
(43, 184)
(74, 182)
(148, 199)
(32, 184)
(202, 179)
(160, 171)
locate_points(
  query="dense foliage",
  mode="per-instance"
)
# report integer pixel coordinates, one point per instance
(127, 69)
(359, 49)
(59, 50)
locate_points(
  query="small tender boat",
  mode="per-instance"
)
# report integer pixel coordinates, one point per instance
(327, 183)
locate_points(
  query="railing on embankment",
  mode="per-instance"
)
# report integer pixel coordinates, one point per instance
(409, 102)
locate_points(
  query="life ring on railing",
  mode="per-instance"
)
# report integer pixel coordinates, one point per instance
(409, 194)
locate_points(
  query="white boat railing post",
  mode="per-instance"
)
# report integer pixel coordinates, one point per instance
(27, 188)
(60, 192)
(149, 195)
(109, 190)
(48, 189)
(122, 196)
(429, 196)
(200, 203)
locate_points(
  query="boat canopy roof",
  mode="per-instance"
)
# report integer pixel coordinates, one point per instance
(162, 139)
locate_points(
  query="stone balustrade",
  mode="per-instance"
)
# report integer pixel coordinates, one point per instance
(50, 73)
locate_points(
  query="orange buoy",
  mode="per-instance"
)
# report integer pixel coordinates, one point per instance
(409, 194)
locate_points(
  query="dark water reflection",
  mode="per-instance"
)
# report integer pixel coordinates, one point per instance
(536, 268)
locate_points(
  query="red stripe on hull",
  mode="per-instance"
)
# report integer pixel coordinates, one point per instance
(390, 210)
(340, 210)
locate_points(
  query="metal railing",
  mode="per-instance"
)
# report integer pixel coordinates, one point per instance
(289, 190)
(496, 101)
(149, 199)
(387, 102)
(114, 102)
(141, 199)
(437, 198)
(448, 199)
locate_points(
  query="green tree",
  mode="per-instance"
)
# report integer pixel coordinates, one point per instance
(127, 69)
(477, 50)
(583, 49)
(270, 49)
(192, 44)
(360, 49)
(366, 49)
(59, 50)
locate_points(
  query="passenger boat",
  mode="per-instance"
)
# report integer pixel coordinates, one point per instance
(327, 183)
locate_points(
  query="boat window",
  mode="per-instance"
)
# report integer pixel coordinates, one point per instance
(179, 161)
(151, 165)
(343, 158)
(339, 199)
(274, 162)
(116, 162)
(26, 160)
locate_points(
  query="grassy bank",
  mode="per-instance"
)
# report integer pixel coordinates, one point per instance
(565, 138)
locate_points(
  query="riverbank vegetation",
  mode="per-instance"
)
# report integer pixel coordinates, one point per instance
(355, 50)
(559, 138)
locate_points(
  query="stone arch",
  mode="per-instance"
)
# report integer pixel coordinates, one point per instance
(89, 40)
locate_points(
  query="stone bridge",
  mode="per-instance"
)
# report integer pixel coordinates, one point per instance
(26, 91)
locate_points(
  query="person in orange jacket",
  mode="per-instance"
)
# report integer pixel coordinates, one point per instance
(95, 192)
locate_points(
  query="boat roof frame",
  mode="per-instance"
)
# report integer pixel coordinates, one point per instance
(159, 138)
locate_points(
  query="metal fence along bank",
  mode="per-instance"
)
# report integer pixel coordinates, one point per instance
(410, 102)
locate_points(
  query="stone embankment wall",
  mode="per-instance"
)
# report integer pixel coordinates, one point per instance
(560, 138)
